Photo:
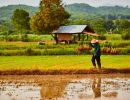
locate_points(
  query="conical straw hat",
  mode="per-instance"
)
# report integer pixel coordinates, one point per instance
(94, 41)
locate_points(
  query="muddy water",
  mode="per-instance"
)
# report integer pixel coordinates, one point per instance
(65, 87)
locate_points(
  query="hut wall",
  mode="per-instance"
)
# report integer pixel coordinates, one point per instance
(65, 36)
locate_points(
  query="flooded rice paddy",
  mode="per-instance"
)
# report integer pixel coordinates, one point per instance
(65, 87)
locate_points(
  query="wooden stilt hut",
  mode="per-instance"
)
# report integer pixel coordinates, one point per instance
(64, 33)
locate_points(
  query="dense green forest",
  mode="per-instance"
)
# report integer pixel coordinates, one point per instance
(82, 11)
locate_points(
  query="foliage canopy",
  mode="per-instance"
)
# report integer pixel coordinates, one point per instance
(51, 15)
(20, 19)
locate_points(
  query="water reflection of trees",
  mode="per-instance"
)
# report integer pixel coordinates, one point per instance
(53, 89)
(91, 88)
(65, 88)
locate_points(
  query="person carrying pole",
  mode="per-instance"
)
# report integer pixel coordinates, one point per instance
(96, 54)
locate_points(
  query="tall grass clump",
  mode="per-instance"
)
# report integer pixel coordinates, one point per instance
(30, 52)
(126, 34)
(113, 36)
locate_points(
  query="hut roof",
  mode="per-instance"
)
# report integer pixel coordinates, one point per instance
(71, 29)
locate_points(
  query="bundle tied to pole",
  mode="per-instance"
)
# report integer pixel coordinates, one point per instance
(92, 34)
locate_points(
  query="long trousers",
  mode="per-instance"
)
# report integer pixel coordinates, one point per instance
(96, 58)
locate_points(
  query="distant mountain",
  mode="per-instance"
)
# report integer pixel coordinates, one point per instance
(7, 11)
(98, 10)
(78, 11)
(80, 8)
(105, 11)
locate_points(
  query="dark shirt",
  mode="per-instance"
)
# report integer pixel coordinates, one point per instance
(96, 47)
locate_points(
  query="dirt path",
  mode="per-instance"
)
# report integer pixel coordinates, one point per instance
(62, 72)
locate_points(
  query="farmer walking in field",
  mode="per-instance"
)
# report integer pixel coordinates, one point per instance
(96, 55)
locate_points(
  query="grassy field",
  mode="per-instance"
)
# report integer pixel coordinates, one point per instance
(61, 62)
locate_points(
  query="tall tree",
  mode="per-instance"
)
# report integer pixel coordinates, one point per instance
(109, 26)
(51, 15)
(20, 19)
(98, 25)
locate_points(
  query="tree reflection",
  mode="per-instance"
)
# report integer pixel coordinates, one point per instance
(97, 88)
(53, 89)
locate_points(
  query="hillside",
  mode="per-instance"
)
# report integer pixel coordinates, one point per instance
(7, 11)
(87, 11)
(78, 11)
(98, 10)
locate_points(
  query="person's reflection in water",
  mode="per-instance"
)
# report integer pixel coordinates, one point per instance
(96, 87)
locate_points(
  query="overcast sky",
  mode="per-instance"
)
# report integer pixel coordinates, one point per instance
(90, 2)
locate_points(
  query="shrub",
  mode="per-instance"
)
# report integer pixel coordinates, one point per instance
(126, 34)
(1, 38)
(102, 37)
(123, 51)
(3, 33)
(83, 49)
(35, 38)
(24, 38)
(108, 50)
(15, 37)
(29, 52)
(113, 36)
(12, 53)
(116, 31)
